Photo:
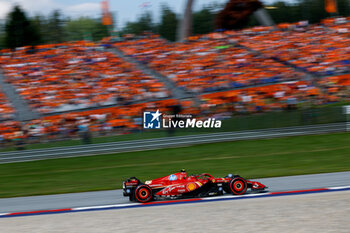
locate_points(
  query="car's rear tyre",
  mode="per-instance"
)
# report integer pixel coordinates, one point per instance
(143, 193)
(238, 186)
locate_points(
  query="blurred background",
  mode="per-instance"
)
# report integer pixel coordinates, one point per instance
(85, 72)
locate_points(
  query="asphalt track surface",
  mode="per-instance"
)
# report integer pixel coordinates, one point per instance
(100, 198)
(166, 142)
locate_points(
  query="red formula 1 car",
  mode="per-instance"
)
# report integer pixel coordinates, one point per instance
(179, 185)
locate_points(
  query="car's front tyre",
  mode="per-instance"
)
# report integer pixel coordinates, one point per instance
(238, 186)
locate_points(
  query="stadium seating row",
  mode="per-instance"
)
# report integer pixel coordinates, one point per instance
(123, 119)
(208, 64)
(317, 49)
(76, 75)
(282, 96)
(6, 110)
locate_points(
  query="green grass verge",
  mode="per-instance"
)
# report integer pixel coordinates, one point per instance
(251, 159)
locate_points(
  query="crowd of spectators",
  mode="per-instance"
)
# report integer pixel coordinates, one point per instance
(6, 110)
(340, 25)
(320, 49)
(127, 119)
(64, 77)
(106, 121)
(232, 72)
(261, 55)
(282, 96)
(208, 63)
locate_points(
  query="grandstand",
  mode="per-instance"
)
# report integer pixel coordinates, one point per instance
(76, 75)
(209, 63)
(247, 71)
(315, 49)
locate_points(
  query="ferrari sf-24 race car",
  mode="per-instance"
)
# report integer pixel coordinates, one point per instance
(179, 185)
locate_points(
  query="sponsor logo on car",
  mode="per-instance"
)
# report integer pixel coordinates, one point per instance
(191, 186)
(168, 190)
(172, 177)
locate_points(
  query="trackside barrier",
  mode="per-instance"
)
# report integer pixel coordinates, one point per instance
(165, 142)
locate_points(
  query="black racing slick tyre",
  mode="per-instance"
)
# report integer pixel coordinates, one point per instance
(143, 193)
(238, 186)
